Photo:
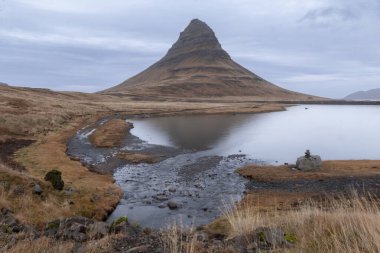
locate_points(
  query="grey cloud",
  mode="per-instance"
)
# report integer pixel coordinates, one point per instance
(328, 14)
(93, 44)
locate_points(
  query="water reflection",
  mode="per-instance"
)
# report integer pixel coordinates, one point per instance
(334, 132)
(189, 132)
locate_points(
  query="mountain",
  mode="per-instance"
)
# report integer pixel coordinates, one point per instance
(364, 95)
(197, 66)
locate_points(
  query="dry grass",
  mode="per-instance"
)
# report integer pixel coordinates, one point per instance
(24, 244)
(178, 239)
(338, 226)
(41, 245)
(138, 158)
(49, 154)
(330, 169)
(27, 113)
(111, 133)
(16, 195)
(51, 118)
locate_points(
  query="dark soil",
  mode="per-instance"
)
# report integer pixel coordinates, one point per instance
(341, 185)
(8, 148)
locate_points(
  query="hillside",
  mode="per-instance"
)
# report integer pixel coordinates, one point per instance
(197, 66)
(373, 94)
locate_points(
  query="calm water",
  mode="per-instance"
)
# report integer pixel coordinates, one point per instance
(203, 176)
(332, 131)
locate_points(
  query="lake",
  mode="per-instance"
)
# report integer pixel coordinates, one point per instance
(331, 131)
(199, 175)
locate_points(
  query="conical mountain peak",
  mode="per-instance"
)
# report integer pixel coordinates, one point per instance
(197, 28)
(199, 38)
(196, 66)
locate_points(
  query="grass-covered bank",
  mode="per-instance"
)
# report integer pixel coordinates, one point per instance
(85, 193)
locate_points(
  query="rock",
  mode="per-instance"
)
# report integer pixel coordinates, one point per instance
(37, 189)
(77, 229)
(98, 230)
(69, 191)
(262, 238)
(74, 158)
(9, 224)
(313, 162)
(172, 205)
(94, 198)
(160, 197)
(139, 249)
(126, 229)
(268, 238)
(172, 189)
(120, 228)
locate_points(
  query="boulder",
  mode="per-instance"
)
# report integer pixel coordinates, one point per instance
(263, 239)
(312, 162)
(55, 178)
(139, 249)
(172, 205)
(9, 224)
(37, 189)
(98, 230)
(78, 229)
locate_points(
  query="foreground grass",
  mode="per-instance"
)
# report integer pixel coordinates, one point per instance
(88, 194)
(340, 225)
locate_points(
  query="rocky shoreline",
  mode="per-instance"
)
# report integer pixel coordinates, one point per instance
(181, 182)
(130, 237)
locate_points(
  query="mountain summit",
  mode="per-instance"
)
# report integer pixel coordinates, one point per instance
(197, 39)
(197, 66)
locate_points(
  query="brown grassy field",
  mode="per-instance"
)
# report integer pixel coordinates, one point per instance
(28, 113)
(330, 169)
(50, 118)
(110, 134)
(46, 154)
(138, 158)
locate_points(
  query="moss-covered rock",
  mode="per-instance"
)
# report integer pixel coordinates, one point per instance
(120, 220)
(55, 178)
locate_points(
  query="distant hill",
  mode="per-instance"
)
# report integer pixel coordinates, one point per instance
(197, 66)
(365, 95)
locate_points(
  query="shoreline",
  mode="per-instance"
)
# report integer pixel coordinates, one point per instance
(80, 123)
(49, 149)
(261, 203)
(283, 188)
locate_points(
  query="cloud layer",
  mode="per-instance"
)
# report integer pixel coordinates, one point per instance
(324, 47)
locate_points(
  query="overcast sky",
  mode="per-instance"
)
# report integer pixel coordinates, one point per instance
(323, 47)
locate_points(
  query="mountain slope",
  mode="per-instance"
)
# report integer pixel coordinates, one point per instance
(365, 95)
(197, 66)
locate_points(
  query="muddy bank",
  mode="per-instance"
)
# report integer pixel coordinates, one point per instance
(8, 148)
(329, 170)
(283, 188)
(105, 160)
